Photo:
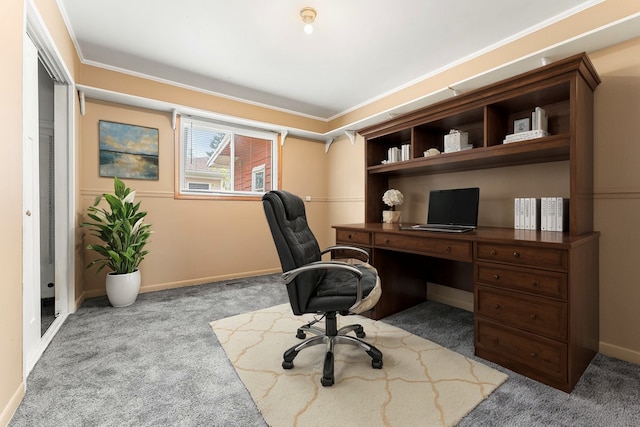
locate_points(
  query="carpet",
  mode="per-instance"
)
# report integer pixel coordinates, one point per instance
(421, 383)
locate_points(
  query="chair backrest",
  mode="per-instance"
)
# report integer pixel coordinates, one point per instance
(295, 243)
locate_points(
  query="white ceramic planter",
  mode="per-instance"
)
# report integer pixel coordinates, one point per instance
(122, 289)
(391, 217)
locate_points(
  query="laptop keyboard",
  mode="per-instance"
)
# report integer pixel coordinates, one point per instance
(440, 227)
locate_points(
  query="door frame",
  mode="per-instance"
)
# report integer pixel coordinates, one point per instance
(64, 170)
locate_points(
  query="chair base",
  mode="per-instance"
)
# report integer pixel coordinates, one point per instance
(330, 338)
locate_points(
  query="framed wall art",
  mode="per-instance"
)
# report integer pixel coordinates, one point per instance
(128, 151)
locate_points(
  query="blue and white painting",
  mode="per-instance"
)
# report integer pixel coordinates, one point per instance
(128, 151)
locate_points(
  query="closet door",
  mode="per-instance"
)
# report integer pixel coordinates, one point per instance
(31, 208)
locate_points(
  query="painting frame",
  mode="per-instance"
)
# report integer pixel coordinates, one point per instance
(128, 151)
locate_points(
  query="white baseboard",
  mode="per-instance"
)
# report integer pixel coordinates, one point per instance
(182, 283)
(621, 353)
(12, 405)
(450, 296)
(211, 279)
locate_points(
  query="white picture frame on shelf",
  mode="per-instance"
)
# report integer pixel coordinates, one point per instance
(521, 125)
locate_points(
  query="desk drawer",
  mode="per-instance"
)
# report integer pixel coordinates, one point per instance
(531, 355)
(523, 255)
(540, 282)
(534, 314)
(444, 248)
(349, 236)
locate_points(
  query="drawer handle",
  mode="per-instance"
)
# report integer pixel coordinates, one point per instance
(493, 252)
(496, 276)
(349, 237)
(534, 284)
(533, 316)
(447, 248)
(516, 255)
(386, 240)
(533, 355)
(497, 306)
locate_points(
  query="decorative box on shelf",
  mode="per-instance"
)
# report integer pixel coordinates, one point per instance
(539, 127)
(456, 140)
(524, 136)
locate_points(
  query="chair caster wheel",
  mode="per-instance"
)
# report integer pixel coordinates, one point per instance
(360, 332)
(326, 382)
(300, 335)
(287, 365)
(376, 364)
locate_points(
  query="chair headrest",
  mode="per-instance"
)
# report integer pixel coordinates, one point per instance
(293, 205)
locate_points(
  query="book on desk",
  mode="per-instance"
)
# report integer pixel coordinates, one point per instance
(544, 213)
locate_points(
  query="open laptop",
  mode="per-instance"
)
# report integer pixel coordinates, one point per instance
(453, 211)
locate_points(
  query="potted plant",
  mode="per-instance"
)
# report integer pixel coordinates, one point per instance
(121, 228)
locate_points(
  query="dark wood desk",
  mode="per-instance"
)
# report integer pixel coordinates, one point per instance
(535, 293)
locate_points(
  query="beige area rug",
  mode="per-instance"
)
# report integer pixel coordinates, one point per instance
(420, 384)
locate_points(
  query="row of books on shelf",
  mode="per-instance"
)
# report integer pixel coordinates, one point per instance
(545, 213)
(398, 154)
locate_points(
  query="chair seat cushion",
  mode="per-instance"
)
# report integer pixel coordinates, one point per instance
(337, 290)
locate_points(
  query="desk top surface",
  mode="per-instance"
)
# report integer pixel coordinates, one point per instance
(485, 234)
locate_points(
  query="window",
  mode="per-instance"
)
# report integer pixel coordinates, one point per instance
(220, 159)
(257, 178)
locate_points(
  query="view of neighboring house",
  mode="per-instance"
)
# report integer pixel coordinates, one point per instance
(207, 160)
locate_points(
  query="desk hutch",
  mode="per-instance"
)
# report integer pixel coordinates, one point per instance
(535, 293)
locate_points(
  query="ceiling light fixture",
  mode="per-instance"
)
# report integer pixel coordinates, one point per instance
(308, 15)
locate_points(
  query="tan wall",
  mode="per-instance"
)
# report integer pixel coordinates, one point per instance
(132, 85)
(617, 197)
(345, 182)
(196, 241)
(498, 188)
(11, 390)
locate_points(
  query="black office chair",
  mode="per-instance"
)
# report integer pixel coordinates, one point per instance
(322, 287)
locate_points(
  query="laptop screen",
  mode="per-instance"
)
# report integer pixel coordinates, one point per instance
(457, 206)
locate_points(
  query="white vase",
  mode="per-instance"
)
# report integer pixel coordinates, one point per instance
(122, 289)
(391, 217)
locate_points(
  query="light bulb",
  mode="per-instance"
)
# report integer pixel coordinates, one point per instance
(308, 15)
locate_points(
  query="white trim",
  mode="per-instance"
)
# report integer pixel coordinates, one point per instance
(49, 53)
(201, 90)
(598, 38)
(31, 339)
(619, 352)
(65, 200)
(474, 55)
(65, 101)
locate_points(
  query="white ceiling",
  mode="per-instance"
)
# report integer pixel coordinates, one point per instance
(256, 50)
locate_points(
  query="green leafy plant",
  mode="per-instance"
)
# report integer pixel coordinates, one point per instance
(121, 227)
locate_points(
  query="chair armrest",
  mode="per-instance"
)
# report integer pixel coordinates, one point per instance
(287, 277)
(360, 251)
